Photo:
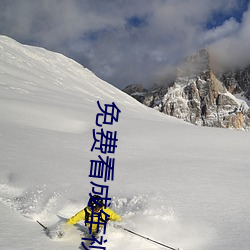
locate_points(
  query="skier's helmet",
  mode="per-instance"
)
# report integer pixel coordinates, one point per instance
(95, 201)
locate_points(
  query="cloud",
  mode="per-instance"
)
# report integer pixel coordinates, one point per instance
(228, 28)
(232, 50)
(121, 41)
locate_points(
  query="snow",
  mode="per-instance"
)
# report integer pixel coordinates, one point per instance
(182, 185)
(242, 99)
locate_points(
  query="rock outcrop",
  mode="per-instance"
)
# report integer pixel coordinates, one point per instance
(199, 96)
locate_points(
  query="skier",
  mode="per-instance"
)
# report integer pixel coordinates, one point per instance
(99, 218)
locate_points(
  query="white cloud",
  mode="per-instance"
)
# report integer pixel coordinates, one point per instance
(233, 50)
(228, 28)
(97, 32)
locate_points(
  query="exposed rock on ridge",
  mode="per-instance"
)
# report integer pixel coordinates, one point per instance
(198, 96)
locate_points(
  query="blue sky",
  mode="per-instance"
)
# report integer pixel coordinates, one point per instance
(218, 17)
(131, 41)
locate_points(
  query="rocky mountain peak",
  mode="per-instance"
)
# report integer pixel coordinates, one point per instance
(196, 64)
(200, 96)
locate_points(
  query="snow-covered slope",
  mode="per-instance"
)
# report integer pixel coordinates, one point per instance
(182, 185)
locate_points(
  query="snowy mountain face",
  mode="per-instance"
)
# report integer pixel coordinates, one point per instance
(201, 97)
(237, 81)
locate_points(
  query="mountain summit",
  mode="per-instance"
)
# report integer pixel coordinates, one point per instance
(202, 97)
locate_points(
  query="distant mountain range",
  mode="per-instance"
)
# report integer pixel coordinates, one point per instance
(201, 94)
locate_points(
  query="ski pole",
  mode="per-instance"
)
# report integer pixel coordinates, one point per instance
(45, 228)
(150, 239)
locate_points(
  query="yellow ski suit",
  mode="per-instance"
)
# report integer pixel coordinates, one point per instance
(81, 216)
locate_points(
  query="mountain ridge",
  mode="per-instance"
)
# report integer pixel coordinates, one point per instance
(200, 95)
